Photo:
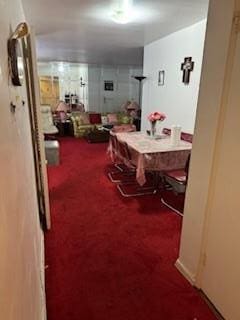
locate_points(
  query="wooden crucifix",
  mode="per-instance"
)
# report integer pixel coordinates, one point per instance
(187, 66)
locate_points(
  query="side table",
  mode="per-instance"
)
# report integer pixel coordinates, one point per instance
(65, 128)
(97, 135)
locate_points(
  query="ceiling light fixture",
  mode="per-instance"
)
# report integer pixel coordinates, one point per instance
(122, 13)
(61, 67)
(121, 17)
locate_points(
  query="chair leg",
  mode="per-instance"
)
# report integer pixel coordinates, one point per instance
(139, 191)
(170, 207)
(121, 167)
(118, 177)
(111, 177)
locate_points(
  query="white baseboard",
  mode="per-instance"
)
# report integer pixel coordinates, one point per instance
(185, 272)
(42, 280)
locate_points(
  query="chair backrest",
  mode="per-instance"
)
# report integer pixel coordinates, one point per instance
(113, 140)
(47, 117)
(124, 152)
(47, 120)
(184, 135)
(120, 150)
(186, 169)
(113, 144)
(166, 131)
(187, 137)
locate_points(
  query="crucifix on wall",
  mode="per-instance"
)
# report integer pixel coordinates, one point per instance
(187, 66)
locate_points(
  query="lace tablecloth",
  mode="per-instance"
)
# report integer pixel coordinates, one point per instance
(154, 154)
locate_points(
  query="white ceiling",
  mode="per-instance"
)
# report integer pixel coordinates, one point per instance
(82, 30)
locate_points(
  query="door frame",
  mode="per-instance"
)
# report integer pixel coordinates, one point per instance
(28, 47)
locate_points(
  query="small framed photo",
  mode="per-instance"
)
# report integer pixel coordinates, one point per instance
(161, 77)
(108, 86)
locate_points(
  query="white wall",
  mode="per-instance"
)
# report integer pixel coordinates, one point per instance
(125, 87)
(21, 239)
(177, 100)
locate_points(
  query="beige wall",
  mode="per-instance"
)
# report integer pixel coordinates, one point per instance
(21, 239)
(211, 87)
(222, 236)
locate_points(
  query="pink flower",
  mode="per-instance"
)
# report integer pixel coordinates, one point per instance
(156, 116)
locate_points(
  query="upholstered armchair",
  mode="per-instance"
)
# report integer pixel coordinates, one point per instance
(82, 123)
(47, 121)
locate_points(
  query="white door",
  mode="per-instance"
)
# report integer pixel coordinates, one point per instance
(221, 273)
(108, 104)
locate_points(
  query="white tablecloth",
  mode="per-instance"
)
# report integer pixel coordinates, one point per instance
(154, 154)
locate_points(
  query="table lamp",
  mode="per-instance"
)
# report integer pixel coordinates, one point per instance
(62, 109)
(133, 108)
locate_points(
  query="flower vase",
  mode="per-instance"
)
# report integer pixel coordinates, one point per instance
(153, 128)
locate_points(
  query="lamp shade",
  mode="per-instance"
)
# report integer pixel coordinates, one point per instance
(62, 107)
(125, 105)
(133, 106)
(140, 78)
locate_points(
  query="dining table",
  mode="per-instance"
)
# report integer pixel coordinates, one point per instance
(154, 153)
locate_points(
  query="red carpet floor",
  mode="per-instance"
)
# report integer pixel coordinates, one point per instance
(109, 258)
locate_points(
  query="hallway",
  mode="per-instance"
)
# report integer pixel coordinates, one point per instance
(110, 258)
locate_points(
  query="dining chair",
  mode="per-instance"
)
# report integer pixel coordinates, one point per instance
(48, 126)
(175, 183)
(122, 167)
(187, 137)
(128, 186)
(118, 156)
(166, 131)
(184, 135)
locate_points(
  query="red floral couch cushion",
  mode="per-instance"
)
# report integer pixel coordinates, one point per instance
(95, 118)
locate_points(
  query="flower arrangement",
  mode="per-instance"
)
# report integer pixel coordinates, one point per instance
(153, 118)
(156, 116)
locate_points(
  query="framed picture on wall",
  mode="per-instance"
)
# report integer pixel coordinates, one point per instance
(108, 85)
(161, 77)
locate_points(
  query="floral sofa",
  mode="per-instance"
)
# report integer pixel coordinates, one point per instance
(83, 122)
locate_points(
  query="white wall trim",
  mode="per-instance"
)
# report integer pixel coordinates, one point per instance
(185, 272)
(42, 279)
